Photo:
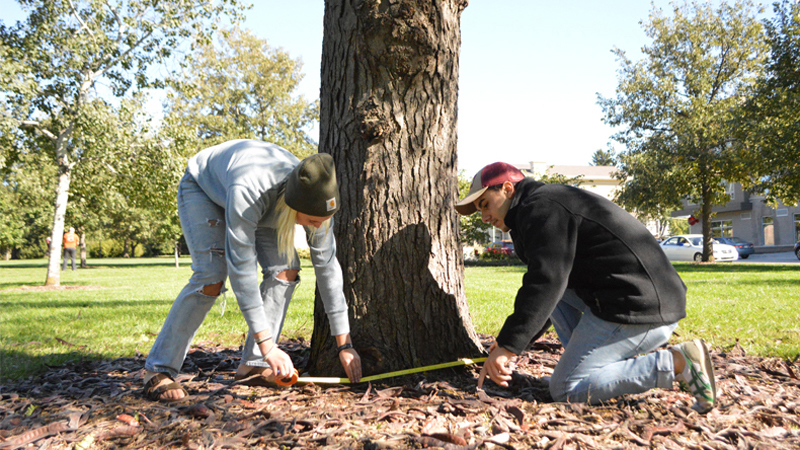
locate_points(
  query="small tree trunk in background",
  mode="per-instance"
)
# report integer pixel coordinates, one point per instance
(705, 216)
(7, 254)
(83, 250)
(388, 117)
(57, 236)
(126, 245)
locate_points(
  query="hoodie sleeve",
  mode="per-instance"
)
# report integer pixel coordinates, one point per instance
(243, 210)
(322, 246)
(549, 233)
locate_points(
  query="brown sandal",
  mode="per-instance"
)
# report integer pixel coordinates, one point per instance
(154, 393)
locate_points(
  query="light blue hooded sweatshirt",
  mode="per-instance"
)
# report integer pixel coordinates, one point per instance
(245, 177)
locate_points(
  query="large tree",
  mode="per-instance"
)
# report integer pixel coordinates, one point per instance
(241, 88)
(66, 47)
(771, 122)
(677, 104)
(388, 114)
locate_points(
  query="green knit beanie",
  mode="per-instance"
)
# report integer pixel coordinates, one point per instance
(311, 187)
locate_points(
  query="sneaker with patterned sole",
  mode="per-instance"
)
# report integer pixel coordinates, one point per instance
(697, 377)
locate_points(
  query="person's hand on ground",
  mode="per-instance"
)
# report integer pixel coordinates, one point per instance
(351, 362)
(496, 366)
(280, 363)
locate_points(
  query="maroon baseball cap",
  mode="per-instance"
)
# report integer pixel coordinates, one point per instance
(491, 175)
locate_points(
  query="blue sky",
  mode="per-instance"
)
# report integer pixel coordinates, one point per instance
(530, 70)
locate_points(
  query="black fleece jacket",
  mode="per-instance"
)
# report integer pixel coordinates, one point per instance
(572, 238)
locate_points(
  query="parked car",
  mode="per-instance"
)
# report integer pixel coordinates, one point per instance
(744, 248)
(689, 247)
(505, 247)
(797, 250)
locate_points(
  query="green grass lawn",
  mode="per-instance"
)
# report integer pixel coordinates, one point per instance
(123, 303)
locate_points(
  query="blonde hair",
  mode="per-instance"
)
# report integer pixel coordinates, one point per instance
(287, 219)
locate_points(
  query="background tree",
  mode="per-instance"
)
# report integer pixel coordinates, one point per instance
(771, 119)
(11, 224)
(603, 158)
(388, 117)
(67, 46)
(650, 188)
(678, 103)
(28, 193)
(241, 88)
(472, 228)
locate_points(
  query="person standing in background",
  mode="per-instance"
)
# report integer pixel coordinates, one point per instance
(70, 246)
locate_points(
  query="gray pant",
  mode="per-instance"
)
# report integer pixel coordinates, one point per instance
(203, 224)
(604, 360)
(68, 253)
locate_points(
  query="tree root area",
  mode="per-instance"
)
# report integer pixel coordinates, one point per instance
(100, 405)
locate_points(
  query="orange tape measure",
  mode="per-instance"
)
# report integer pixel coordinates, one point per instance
(288, 381)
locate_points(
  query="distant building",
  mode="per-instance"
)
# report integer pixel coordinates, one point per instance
(597, 179)
(748, 217)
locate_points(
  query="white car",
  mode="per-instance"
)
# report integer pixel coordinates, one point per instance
(689, 247)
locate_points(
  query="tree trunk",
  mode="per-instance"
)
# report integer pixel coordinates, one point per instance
(125, 253)
(83, 250)
(388, 117)
(57, 236)
(705, 216)
(7, 254)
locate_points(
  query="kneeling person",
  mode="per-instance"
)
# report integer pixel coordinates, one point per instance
(601, 278)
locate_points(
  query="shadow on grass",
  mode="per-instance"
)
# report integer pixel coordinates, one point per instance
(18, 363)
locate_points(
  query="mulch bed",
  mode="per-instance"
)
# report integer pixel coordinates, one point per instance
(99, 405)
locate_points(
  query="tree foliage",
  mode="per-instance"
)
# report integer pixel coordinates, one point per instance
(70, 52)
(241, 88)
(603, 158)
(472, 228)
(771, 118)
(677, 105)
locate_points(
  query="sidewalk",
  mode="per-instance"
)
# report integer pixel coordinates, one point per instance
(782, 258)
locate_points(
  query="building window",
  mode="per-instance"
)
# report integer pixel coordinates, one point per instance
(722, 228)
(768, 226)
(797, 227)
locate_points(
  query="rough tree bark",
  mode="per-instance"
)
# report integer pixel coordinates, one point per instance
(388, 116)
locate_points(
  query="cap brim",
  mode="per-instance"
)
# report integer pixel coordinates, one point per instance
(467, 206)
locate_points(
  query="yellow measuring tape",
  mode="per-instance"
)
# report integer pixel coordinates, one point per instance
(295, 378)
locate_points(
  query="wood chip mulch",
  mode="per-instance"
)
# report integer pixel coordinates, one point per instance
(99, 405)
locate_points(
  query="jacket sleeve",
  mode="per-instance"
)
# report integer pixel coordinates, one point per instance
(242, 213)
(322, 247)
(549, 233)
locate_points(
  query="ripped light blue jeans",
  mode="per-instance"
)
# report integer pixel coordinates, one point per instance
(203, 224)
(604, 360)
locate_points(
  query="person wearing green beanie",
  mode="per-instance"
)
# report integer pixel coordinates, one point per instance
(239, 203)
